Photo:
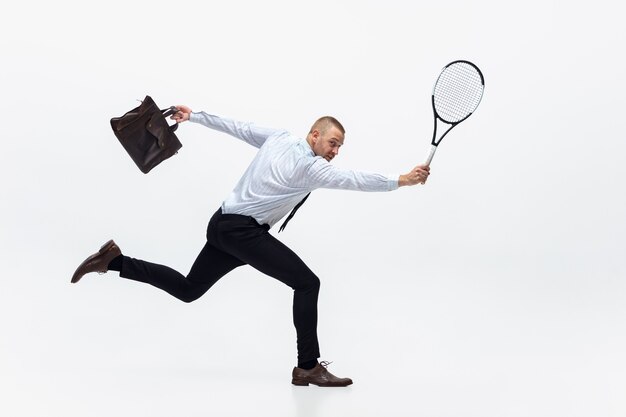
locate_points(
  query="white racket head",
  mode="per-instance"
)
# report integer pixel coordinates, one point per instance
(457, 91)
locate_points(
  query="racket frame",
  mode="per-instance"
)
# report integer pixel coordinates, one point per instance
(434, 143)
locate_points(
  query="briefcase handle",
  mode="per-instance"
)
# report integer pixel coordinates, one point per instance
(129, 118)
(168, 112)
(156, 125)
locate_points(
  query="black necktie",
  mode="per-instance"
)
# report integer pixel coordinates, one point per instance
(282, 226)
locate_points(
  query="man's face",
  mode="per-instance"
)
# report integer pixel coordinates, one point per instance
(327, 144)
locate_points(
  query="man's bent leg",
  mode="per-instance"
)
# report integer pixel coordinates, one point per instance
(210, 265)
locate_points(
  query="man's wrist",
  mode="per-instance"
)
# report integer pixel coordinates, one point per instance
(193, 116)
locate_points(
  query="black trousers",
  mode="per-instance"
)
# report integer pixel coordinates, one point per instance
(234, 240)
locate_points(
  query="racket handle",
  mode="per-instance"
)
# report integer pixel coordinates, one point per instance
(432, 153)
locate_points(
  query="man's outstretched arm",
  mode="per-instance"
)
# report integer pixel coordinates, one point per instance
(247, 132)
(322, 174)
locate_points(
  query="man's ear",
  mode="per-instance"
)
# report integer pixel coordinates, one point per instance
(315, 135)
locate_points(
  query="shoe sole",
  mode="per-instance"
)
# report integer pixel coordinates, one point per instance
(103, 249)
(303, 383)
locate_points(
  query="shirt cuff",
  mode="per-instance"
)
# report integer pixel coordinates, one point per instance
(393, 182)
(195, 117)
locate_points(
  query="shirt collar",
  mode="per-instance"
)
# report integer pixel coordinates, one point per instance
(306, 147)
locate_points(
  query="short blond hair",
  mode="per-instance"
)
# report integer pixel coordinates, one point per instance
(324, 123)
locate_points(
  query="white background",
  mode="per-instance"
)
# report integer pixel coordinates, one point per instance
(498, 289)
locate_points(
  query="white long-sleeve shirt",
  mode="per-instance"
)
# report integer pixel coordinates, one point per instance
(284, 171)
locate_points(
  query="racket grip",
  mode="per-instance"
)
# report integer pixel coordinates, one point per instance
(433, 149)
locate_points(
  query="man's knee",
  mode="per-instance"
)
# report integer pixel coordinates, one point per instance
(190, 294)
(316, 282)
(311, 283)
(188, 298)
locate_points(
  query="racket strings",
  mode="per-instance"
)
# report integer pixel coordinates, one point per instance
(457, 92)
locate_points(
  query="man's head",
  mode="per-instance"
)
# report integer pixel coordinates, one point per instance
(326, 137)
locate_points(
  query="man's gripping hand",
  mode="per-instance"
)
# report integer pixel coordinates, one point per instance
(417, 175)
(182, 114)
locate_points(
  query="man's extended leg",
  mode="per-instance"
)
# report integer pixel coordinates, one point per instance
(210, 265)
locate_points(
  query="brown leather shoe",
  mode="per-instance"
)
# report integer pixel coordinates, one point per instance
(98, 262)
(318, 376)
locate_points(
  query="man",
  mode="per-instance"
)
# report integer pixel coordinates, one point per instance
(283, 173)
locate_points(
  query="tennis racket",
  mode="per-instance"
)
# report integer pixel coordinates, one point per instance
(456, 95)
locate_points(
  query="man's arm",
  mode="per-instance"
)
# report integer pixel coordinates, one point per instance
(247, 132)
(324, 175)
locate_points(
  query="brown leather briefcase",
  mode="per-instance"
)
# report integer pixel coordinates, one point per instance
(146, 135)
